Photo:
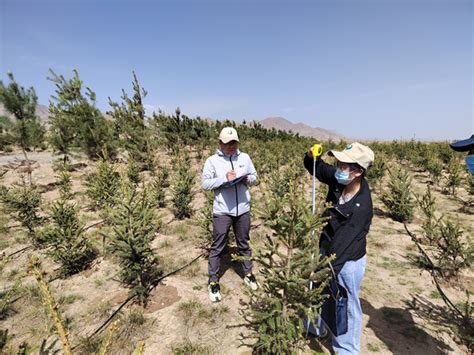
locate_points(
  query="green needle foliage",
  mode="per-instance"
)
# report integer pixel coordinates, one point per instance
(377, 170)
(434, 167)
(134, 227)
(157, 188)
(205, 221)
(133, 172)
(470, 184)
(430, 225)
(452, 252)
(289, 259)
(76, 122)
(68, 244)
(64, 180)
(399, 197)
(27, 132)
(23, 202)
(130, 124)
(182, 189)
(454, 176)
(102, 185)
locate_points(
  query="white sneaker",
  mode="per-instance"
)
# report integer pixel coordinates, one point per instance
(251, 282)
(214, 291)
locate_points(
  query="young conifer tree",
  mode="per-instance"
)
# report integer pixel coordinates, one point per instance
(288, 260)
(68, 244)
(27, 132)
(182, 189)
(430, 224)
(102, 185)
(23, 202)
(205, 220)
(131, 125)
(76, 122)
(134, 227)
(454, 176)
(453, 253)
(399, 198)
(157, 187)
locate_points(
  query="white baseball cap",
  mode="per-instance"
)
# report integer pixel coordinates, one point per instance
(228, 134)
(355, 153)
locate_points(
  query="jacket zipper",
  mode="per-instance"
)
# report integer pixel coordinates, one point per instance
(236, 193)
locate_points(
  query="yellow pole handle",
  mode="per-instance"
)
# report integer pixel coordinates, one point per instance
(317, 150)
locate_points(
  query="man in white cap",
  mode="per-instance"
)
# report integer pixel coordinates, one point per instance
(228, 173)
(345, 233)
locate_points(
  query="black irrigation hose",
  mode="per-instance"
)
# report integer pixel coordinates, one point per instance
(93, 225)
(433, 269)
(19, 251)
(98, 330)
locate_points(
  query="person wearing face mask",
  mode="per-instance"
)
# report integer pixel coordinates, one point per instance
(350, 216)
(466, 145)
(229, 173)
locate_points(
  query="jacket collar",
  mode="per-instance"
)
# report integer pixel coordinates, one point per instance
(221, 153)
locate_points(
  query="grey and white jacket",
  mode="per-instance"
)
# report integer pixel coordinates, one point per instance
(230, 200)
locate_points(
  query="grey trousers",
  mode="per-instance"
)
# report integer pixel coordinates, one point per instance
(221, 226)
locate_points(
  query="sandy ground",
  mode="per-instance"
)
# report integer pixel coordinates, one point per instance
(403, 314)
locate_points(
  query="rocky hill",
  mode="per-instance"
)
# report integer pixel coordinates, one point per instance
(301, 128)
(271, 122)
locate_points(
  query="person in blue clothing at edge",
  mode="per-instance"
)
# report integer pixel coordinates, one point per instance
(466, 145)
(345, 233)
(229, 173)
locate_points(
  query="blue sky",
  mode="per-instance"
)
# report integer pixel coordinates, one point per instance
(385, 69)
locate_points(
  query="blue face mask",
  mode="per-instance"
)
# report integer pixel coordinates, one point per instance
(343, 177)
(470, 163)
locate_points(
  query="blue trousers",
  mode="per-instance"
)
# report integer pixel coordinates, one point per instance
(351, 277)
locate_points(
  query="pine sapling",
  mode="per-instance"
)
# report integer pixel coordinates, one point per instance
(27, 131)
(430, 224)
(157, 188)
(288, 260)
(102, 185)
(399, 197)
(23, 203)
(454, 176)
(64, 180)
(77, 122)
(68, 244)
(434, 168)
(452, 252)
(377, 170)
(133, 172)
(182, 189)
(134, 227)
(205, 220)
(130, 124)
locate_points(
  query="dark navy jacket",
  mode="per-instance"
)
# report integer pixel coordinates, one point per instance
(349, 223)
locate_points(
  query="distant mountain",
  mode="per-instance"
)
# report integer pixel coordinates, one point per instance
(41, 111)
(271, 122)
(301, 128)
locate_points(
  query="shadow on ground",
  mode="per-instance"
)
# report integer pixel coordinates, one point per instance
(396, 328)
